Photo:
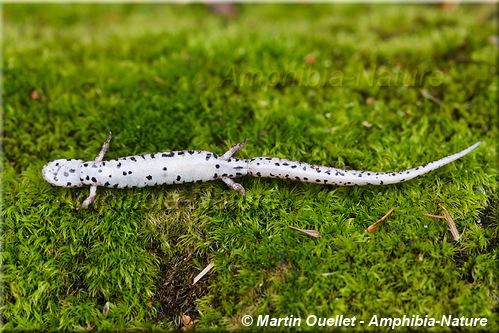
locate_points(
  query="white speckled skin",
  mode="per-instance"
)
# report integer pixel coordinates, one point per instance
(188, 166)
(178, 167)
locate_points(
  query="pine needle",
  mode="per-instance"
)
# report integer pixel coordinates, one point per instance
(311, 233)
(452, 226)
(203, 273)
(373, 226)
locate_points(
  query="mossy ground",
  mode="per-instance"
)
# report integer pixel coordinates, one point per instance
(337, 85)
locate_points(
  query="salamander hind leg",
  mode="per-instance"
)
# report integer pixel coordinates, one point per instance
(228, 154)
(232, 150)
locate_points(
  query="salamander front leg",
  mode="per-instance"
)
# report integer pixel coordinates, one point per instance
(90, 199)
(233, 185)
(103, 150)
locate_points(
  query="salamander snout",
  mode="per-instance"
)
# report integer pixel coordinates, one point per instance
(65, 173)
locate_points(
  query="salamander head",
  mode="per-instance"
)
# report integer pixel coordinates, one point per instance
(65, 173)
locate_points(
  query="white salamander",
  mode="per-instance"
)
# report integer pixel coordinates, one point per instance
(189, 166)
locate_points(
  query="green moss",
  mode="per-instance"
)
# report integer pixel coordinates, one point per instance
(304, 82)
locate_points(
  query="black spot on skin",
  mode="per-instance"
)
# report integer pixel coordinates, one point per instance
(325, 181)
(368, 173)
(133, 159)
(293, 166)
(68, 184)
(328, 173)
(190, 152)
(124, 173)
(318, 180)
(215, 176)
(286, 164)
(252, 159)
(271, 175)
(115, 185)
(304, 168)
(164, 169)
(178, 178)
(318, 170)
(305, 178)
(72, 170)
(257, 163)
(119, 165)
(258, 174)
(149, 177)
(66, 174)
(94, 180)
(402, 180)
(84, 164)
(81, 179)
(224, 175)
(217, 166)
(180, 153)
(215, 156)
(100, 171)
(360, 175)
(110, 176)
(87, 178)
(238, 174)
(152, 155)
(208, 156)
(407, 172)
(381, 182)
(57, 164)
(129, 172)
(170, 154)
(417, 168)
(94, 166)
(297, 178)
(106, 184)
(394, 174)
(277, 164)
(143, 157)
(268, 158)
(199, 181)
